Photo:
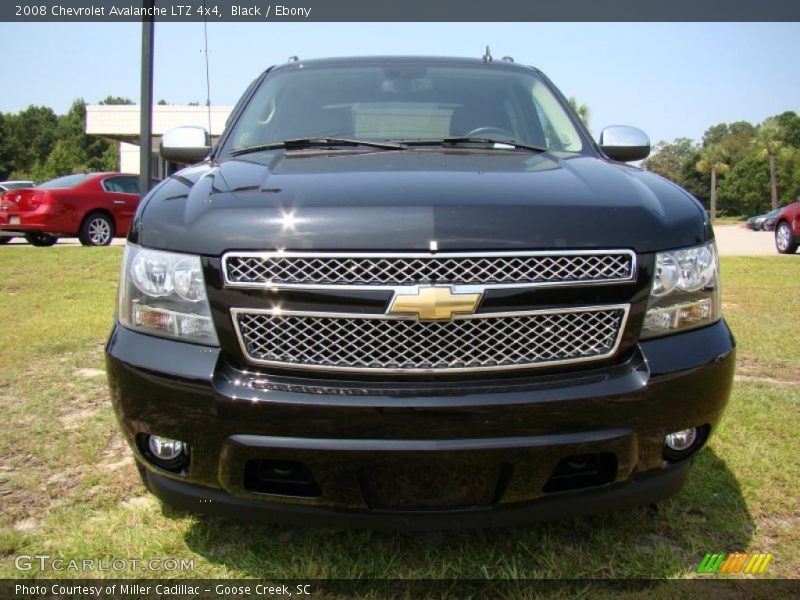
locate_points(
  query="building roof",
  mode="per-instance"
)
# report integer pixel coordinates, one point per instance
(121, 121)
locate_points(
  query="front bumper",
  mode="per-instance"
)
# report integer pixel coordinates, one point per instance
(405, 454)
(639, 490)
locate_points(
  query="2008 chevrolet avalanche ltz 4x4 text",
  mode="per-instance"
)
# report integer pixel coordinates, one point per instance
(414, 293)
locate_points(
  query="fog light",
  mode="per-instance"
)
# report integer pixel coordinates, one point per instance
(681, 440)
(164, 448)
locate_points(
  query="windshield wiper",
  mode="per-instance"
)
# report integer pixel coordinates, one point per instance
(453, 141)
(299, 143)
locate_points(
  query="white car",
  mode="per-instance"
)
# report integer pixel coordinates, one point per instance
(15, 185)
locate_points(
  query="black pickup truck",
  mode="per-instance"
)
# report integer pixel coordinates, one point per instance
(415, 293)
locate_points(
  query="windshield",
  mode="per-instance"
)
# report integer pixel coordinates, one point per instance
(65, 182)
(405, 102)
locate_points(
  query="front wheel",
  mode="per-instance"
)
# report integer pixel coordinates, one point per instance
(783, 239)
(40, 240)
(97, 230)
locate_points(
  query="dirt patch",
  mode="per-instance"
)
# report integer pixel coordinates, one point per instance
(74, 418)
(138, 502)
(112, 467)
(90, 373)
(751, 369)
(25, 525)
(773, 523)
(64, 476)
(765, 380)
(116, 451)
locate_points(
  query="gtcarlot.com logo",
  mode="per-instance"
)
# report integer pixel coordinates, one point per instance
(45, 562)
(737, 562)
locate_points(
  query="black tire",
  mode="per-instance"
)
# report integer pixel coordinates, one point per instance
(97, 229)
(784, 241)
(4, 239)
(40, 240)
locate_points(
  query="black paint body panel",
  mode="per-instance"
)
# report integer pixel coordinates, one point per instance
(418, 451)
(345, 429)
(401, 200)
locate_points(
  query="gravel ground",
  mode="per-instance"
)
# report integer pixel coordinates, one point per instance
(737, 240)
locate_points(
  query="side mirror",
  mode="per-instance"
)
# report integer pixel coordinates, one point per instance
(623, 143)
(186, 144)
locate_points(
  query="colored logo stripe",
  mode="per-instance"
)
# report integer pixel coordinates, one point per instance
(737, 562)
(711, 563)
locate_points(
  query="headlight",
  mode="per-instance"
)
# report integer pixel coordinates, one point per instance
(685, 291)
(164, 294)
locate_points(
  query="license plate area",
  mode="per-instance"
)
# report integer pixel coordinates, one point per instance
(13, 221)
(422, 482)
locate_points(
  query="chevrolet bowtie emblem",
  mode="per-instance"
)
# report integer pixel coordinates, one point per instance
(434, 302)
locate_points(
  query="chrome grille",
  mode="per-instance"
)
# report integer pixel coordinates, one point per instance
(254, 269)
(381, 343)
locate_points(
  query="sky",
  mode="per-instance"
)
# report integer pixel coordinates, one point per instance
(670, 79)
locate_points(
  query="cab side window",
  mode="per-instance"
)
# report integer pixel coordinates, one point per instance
(129, 185)
(122, 185)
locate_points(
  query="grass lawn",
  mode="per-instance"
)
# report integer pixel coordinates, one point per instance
(68, 486)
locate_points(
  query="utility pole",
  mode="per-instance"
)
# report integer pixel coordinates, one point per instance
(146, 101)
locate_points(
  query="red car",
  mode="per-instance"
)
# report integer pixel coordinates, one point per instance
(787, 228)
(94, 206)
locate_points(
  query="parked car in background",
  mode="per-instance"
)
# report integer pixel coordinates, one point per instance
(94, 206)
(15, 185)
(756, 223)
(770, 219)
(4, 187)
(787, 228)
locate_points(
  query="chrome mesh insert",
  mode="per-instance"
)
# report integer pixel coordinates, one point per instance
(474, 342)
(499, 268)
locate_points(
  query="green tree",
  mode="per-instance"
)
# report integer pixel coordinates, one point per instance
(713, 161)
(789, 125)
(30, 137)
(768, 143)
(29, 144)
(112, 100)
(64, 159)
(745, 189)
(669, 159)
(715, 134)
(91, 151)
(584, 112)
(735, 138)
(6, 157)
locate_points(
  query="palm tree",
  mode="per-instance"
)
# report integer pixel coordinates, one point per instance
(713, 161)
(769, 145)
(583, 111)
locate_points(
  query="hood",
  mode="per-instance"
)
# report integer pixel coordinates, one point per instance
(403, 200)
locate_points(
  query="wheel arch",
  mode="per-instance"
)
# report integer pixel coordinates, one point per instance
(102, 211)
